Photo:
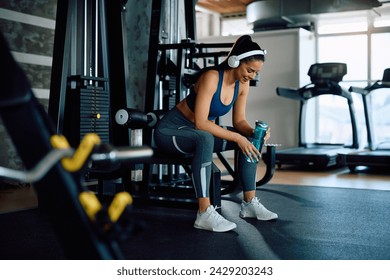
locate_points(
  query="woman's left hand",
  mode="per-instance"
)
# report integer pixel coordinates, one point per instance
(267, 135)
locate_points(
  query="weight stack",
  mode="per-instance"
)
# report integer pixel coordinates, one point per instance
(87, 109)
(169, 87)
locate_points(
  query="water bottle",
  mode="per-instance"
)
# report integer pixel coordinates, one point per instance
(258, 137)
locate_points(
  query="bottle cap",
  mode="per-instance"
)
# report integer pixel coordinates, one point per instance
(262, 124)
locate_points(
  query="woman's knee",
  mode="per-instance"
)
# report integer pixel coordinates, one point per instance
(204, 138)
(207, 137)
(204, 144)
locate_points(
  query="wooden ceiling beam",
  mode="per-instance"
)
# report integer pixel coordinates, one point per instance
(225, 6)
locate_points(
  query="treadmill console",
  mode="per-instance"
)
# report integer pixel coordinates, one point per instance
(321, 73)
(386, 76)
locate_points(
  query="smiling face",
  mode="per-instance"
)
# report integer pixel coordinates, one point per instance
(247, 70)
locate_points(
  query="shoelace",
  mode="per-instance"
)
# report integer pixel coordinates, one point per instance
(216, 215)
(256, 202)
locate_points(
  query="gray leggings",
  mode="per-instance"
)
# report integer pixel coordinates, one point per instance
(175, 135)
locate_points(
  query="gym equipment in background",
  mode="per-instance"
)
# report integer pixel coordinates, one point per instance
(376, 104)
(325, 78)
(87, 57)
(86, 228)
(172, 65)
(88, 82)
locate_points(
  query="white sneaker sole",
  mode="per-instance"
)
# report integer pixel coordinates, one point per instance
(233, 226)
(244, 215)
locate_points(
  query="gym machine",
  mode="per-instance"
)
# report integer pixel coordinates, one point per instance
(378, 153)
(325, 78)
(171, 68)
(87, 81)
(86, 228)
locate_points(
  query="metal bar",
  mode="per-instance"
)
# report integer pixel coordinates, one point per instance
(85, 37)
(60, 65)
(39, 171)
(123, 154)
(96, 38)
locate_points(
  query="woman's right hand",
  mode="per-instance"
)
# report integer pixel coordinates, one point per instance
(248, 148)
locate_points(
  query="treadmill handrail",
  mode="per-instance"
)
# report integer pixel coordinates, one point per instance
(379, 84)
(364, 91)
(384, 83)
(311, 90)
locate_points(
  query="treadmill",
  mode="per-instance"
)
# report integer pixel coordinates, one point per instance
(325, 79)
(376, 102)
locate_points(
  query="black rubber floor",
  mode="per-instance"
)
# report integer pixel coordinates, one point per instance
(314, 223)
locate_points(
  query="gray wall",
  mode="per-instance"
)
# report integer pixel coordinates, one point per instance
(137, 22)
(28, 27)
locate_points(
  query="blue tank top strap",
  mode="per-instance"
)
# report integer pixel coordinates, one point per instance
(236, 87)
(217, 108)
(219, 88)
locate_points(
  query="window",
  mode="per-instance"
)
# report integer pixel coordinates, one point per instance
(235, 26)
(380, 106)
(332, 112)
(351, 49)
(342, 27)
(332, 124)
(382, 22)
(380, 57)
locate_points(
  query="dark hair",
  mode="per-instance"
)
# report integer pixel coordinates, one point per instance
(242, 45)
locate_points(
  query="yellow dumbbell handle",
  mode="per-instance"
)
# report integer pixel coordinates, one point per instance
(90, 203)
(118, 205)
(76, 162)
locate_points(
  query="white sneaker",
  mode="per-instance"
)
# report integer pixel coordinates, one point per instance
(254, 209)
(213, 221)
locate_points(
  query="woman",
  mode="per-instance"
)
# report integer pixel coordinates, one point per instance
(190, 128)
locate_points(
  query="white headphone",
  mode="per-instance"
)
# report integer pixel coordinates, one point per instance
(234, 60)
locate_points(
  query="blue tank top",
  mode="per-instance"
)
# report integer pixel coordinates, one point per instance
(217, 108)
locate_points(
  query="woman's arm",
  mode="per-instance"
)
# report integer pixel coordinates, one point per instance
(205, 91)
(205, 88)
(239, 115)
(241, 124)
(239, 112)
